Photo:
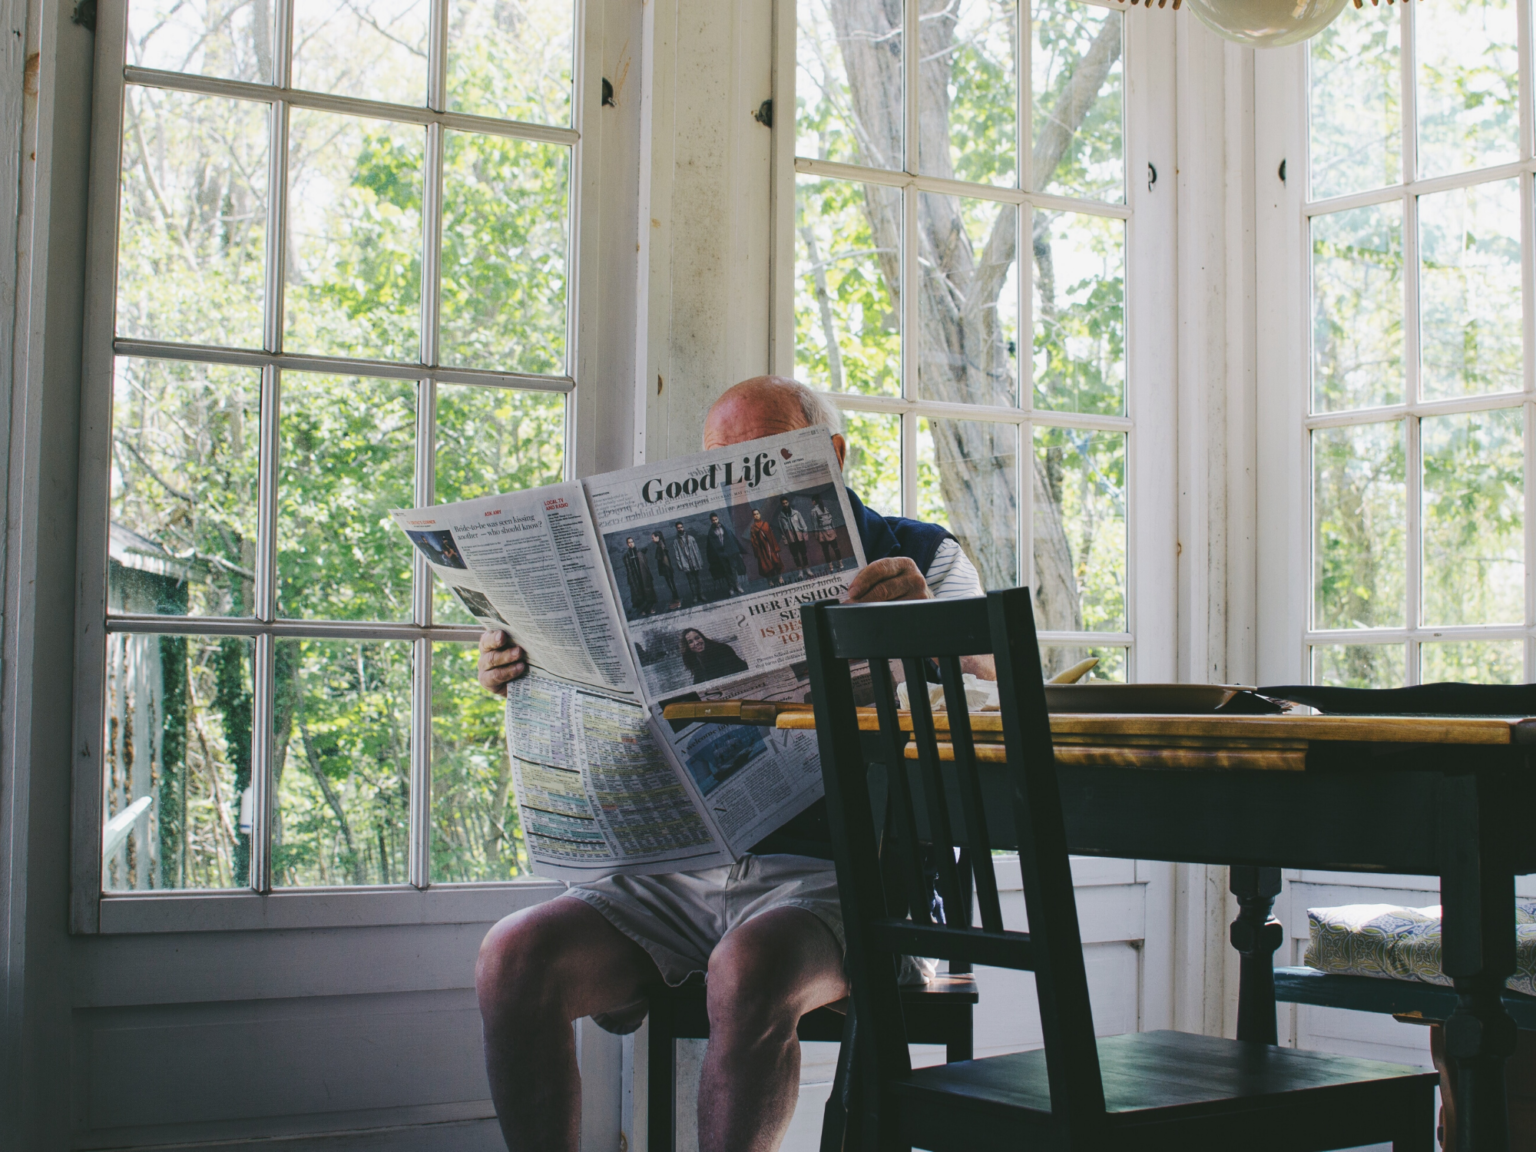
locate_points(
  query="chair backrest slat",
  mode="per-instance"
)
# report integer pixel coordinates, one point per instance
(1066, 1016)
(903, 819)
(940, 834)
(978, 842)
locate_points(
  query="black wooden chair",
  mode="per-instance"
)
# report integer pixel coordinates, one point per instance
(1162, 1090)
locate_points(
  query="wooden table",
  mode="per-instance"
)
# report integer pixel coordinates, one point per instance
(1447, 797)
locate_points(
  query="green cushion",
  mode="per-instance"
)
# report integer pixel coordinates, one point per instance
(1394, 943)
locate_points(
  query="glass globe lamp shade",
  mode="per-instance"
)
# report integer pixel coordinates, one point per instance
(1267, 23)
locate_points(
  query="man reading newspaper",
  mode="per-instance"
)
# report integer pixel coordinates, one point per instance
(767, 930)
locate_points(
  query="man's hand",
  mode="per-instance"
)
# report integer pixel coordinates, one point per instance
(501, 662)
(894, 578)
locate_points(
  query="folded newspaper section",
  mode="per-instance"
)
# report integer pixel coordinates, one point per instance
(632, 590)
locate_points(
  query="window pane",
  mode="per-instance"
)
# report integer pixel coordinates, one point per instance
(968, 92)
(1078, 147)
(1473, 662)
(342, 763)
(476, 833)
(1357, 308)
(348, 451)
(1469, 290)
(873, 467)
(513, 60)
(1079, 538)
(847, 286)
(504, 253)
(183, 488)
(489, 441)
(1474, 518)
(968, 480)
(1359, 525)
(1360, 665)
(354, 248)
(1079, 303)
(1057, 658)
(1356, 118)
(177, 747)
(371, 49)
(206, 37)
(192, 242)
(848, 82)
(969, 300)
(1468, 85)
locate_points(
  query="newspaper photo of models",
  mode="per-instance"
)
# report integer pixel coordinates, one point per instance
(718, 554)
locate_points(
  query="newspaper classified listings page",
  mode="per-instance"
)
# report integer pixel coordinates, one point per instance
(712, 557)
(597, 792)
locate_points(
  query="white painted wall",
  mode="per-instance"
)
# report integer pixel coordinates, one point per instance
(707, 207)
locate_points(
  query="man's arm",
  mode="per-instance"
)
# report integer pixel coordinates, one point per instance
(898, 578)
(501, 662)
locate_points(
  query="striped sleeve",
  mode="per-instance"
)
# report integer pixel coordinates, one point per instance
(952, 576)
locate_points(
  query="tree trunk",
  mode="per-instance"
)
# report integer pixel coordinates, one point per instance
(963, 355)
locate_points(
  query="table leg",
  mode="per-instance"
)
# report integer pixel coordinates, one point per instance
(1256, 934)
(1477, 896)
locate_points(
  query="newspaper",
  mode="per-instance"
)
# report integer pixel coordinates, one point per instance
(636, 589)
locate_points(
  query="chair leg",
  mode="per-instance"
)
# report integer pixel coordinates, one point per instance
(834, 1117)
(1416, 1131)
(661, 1079)
(960, 1044)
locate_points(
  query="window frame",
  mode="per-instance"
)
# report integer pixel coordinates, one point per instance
(418, 900)
(1149, 213)
(1287, 631)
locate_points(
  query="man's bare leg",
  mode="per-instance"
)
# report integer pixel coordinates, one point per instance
(539, 970)
(762, 978)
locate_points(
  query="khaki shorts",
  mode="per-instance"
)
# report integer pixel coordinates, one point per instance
(679, 917)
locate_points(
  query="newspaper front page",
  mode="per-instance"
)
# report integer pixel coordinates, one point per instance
(632, 590)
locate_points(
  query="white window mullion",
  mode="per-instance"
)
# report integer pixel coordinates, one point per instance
(1408, 98)
(1026, 104)
(1523, 37)
(419, 842)
(1412, 391)
(265, 609)
(1414, 569)
(1530, 528)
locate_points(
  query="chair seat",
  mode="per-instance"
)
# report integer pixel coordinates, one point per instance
(1158, 1077)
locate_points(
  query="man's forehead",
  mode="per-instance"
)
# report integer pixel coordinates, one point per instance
(750, 414)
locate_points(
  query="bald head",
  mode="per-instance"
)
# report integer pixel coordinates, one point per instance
(766, 406)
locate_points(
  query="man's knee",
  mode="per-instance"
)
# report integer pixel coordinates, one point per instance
(767, 974)
(520, 964)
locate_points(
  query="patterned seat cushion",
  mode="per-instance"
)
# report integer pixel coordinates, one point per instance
(1393, 943)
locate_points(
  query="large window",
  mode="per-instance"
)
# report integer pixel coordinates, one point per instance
(1419, 413)
(960, 220)
(333, 278)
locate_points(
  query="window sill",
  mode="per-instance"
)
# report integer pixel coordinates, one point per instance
(315, 908)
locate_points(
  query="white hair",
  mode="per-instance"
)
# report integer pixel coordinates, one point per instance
(819, 412)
